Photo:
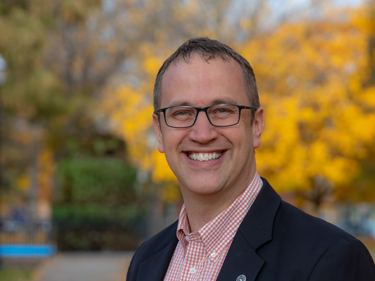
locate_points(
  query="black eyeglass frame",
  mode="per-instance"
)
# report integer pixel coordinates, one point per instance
(199, 109)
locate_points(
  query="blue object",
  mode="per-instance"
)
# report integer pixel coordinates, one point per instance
(27, 250)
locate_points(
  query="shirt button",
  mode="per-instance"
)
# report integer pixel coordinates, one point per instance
(213, 255)
(192, 270)
(187, 238)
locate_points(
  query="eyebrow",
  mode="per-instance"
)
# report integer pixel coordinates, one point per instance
(214, 102)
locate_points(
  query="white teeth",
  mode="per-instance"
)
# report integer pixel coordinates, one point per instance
(204, 156)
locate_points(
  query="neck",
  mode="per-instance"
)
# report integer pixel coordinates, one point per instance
(200, 214)
(201, 209)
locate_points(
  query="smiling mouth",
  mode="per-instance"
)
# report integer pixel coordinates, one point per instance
(204, 156)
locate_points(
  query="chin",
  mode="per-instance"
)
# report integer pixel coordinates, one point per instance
(204, 189)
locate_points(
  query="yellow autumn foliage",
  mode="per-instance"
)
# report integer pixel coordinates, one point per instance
(320, 118)
(46, 170)
(46, 166)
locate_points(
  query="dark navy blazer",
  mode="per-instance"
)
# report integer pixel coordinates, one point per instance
(275, 242)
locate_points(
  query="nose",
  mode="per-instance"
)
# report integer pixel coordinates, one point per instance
(203, 131)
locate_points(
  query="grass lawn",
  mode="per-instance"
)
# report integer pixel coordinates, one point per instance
(15, 274)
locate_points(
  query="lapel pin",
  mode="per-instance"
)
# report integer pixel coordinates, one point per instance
(241, 278)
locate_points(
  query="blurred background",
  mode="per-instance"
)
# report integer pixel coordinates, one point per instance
(79, 167)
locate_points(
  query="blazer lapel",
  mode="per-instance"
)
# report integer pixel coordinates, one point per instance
(254, 231)
(155, 267)
(241, 259)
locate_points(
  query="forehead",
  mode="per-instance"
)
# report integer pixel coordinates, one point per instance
(199, 82)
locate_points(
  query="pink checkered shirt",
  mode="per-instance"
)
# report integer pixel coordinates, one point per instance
(200, 255)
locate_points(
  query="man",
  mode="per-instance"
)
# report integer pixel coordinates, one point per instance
(233, 225)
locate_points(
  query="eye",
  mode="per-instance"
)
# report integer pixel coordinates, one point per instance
(222, 110)
(181, 112)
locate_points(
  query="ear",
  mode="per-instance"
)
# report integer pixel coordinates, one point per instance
(258, 126)
(157, 129)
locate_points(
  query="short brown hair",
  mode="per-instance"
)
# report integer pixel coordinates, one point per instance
(208, 49)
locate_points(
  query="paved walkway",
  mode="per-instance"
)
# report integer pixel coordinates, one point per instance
(89, 266)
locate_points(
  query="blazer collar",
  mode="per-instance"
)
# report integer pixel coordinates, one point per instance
(255, 230)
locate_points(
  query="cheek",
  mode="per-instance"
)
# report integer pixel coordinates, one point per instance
(244, 141)
(171, 141)
(244, 136)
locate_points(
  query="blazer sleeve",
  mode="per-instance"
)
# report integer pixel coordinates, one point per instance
(345, 260)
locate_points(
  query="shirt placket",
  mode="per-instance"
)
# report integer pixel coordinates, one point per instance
(193, 257)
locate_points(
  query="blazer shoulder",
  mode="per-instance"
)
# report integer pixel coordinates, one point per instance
(323, 240)
(302, 223)
(347, 259)
(288, 222)
(157, 242)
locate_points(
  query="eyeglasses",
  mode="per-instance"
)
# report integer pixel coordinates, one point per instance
(222, 115)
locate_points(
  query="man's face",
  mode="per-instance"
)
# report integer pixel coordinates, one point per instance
(199, 83)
